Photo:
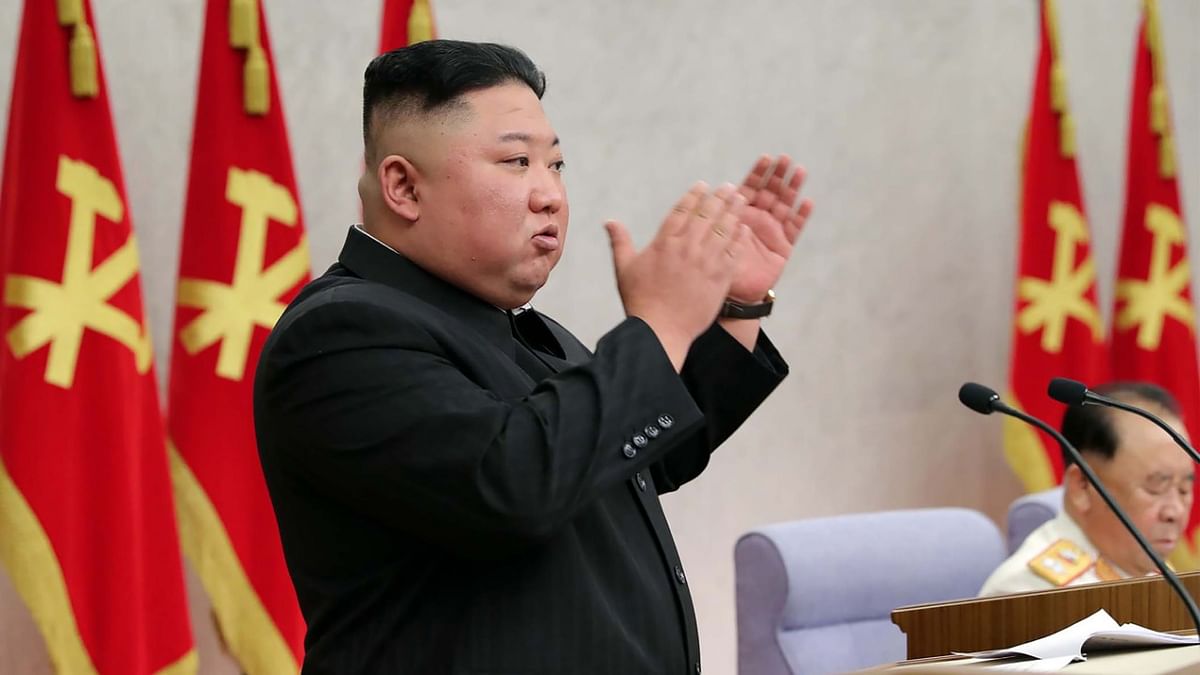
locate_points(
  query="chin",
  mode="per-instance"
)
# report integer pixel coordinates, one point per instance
(518, 295)
(529, 286)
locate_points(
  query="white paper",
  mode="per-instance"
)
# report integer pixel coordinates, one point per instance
(1066, 642)
(1097, 633)
(1035, 665)
(1131, 636)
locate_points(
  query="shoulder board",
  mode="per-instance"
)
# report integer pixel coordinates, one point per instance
(1061, 562)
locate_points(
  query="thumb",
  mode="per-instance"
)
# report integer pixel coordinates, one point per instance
(622, 245)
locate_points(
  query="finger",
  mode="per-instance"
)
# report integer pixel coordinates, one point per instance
(677, 219)
(778, 172)
(708, 211)
(726, 225)
(757, 176)
(795, 224)
(792, 189)
(622, 244)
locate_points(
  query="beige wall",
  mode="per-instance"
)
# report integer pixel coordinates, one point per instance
(908, 114)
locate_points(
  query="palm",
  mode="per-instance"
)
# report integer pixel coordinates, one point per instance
(775, 221)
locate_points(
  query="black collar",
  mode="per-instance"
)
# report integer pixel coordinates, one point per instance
(371, 260)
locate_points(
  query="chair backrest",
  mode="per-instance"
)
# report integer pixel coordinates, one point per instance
(816, 596)
(1028, 512)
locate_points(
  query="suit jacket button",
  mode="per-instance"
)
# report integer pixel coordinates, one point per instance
(652, 431)
(679, 575)
(697, 668)
(641, 482)
(629, 451)
(640, 440)
(665, 421)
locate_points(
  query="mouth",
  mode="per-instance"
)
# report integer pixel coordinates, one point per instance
(547, 238)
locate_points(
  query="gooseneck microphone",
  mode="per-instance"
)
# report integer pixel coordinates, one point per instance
(1072, 392)
(986, 401)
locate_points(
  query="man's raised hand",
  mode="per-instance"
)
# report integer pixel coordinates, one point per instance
(678, 282)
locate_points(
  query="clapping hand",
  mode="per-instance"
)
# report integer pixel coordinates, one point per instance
(775, 221)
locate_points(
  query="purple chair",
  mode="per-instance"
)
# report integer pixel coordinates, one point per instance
(816, 596)
(1027, 513)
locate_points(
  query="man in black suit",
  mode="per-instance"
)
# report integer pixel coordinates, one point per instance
(461, 486)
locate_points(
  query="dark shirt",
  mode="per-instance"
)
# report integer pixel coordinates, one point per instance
(463, 491)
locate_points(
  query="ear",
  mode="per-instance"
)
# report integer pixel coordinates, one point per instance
(1078, 493)
(397, 185)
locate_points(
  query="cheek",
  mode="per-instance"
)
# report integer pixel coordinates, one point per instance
(1147, 514)
(500, 212)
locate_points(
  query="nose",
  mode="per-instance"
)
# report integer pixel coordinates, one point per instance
(1175, 507)
(547, 194)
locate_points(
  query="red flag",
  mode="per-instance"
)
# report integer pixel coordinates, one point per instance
(244, 257)
(1058, 331)
(405, 22)
(1153, 323)
(87, 527)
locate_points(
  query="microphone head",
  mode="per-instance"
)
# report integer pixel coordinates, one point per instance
(1067, 391)
(978, 397)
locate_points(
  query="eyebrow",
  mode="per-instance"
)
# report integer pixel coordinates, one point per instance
(522, 137)
(1159, 476)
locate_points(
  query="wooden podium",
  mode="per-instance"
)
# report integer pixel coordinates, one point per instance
(1008, 620)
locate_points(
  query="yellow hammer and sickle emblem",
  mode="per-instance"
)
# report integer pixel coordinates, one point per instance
(1052, 303)
(231, 311)
(61, 311)
(1149, 302)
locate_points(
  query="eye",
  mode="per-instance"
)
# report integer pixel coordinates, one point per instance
(522, 162)
(558, 166)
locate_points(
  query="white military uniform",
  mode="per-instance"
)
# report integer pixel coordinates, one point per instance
(1056, 554)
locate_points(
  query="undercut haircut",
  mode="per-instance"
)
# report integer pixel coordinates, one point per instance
(431, 77)
(1090, 428)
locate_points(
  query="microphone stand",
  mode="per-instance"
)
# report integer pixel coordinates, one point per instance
(1096, 399)
(996, 404)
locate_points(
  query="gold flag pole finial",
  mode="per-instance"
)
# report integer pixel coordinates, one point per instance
(1058, 84)
(243, 23)
(1066, 135)
(70, 12)
(1166, 156)
(256, 77)
(420, 22)
(82, 61)
(85, 82)
(1160, 122)
(256, 73)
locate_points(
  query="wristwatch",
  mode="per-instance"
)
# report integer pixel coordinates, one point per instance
(733, 309)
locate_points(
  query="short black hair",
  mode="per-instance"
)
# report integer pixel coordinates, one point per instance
(427, 76)
(1090, 427)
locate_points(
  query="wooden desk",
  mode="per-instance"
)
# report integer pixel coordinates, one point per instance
(1007, 620)
(1160, 661)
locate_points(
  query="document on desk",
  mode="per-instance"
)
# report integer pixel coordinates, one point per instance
(1097, 633)
(1033, 665)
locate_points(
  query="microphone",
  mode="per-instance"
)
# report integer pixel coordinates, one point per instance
(1072, 392)
(983, 400)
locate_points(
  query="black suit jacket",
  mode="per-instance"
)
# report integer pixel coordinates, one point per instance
(452, 502)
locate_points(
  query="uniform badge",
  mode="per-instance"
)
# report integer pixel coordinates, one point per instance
(1061, 562)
